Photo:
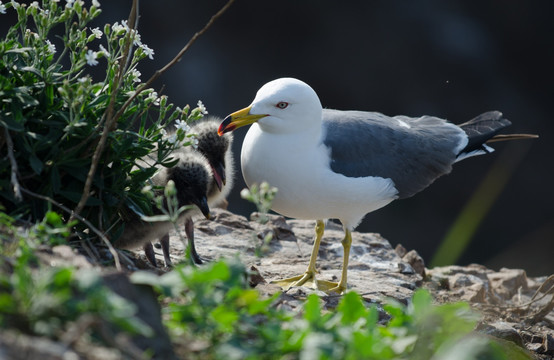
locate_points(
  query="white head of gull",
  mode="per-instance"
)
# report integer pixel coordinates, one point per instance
(344, 164)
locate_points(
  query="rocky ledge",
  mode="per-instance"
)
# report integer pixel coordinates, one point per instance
(514, 307)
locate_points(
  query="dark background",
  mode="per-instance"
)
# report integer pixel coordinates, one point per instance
(452, 59)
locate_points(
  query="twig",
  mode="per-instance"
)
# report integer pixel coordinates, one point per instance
(111, 119)
(176, 59)
(13, 163)
(88, 250)
(81, 219)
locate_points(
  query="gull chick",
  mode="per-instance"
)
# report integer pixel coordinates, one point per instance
(193, 180)
(217, 151)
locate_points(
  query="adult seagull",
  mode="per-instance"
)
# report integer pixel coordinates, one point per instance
(345, 164)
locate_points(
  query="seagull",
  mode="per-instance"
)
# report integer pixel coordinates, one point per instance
(344, 164)
(192, 177)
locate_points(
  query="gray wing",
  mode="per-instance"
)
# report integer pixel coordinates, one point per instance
(413, 152)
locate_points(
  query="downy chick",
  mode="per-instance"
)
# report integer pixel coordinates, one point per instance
(217, 150)
(193, 180)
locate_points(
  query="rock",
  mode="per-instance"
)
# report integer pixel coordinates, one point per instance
(540, 343)
(416, 261)
(374, 270)
(63, 255)
(400, 250)
(17, 346)
(502, 330)
(148, 310)
(507, 282)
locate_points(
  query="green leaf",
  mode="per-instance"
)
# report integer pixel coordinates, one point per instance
(36, 164)
(219, 271)
(55, 180)
(21, 50)
(53, 218)
(155, 218)
(224, 317)
(312, 310)
(31, 70)
(145, 278)
(421, 301)
(63, 277)
(351, 307)
(10, 123)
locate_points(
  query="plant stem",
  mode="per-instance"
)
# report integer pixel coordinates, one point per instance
(13, 163)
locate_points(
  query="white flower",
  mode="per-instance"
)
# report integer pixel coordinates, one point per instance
(163, 132)
(194, 142)
(97, 32)
(104, 52)
(28, 32)
(117, 28)
(2, 8)
(51, 47)
(69, 3)
(147, 51)
(136, 38)
(154, 96)
(182, 125)
(172, 138)
(15, 5)
(95, 3)
(135, 74)
(34, 4)
(91, 58)
(202, 108)
(124, 24)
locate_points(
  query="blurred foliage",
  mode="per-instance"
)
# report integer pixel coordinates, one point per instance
(213, 314)
(47, 301)
(262, 196)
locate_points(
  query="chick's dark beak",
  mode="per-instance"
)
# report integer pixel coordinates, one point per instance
(202, 204)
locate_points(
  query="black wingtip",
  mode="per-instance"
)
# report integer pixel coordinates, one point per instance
(482, 128)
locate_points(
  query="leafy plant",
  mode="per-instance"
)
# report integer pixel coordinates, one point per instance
(46, 301)
(70, 139)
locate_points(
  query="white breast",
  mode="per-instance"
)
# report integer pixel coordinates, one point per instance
(300, 167)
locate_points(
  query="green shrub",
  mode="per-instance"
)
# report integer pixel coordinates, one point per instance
(57, 120)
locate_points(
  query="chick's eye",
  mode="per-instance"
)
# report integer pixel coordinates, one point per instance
(282, 105)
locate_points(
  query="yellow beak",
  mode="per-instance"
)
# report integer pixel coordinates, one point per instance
(238, 119)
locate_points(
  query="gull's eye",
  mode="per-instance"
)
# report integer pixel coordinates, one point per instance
(282, 105)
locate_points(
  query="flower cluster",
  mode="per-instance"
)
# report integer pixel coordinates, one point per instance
(123, 29)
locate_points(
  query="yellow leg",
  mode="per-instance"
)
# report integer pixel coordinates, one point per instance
(309, 275)
(346, 243)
